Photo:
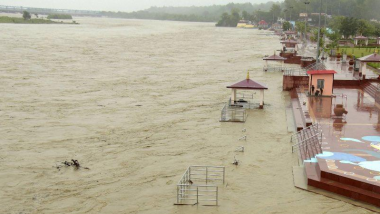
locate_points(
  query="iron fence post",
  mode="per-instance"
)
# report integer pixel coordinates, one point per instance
(206, 174)
(197, 195)
(217, 193)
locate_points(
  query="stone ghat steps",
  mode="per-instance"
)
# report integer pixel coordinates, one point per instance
(346, 190)
(296, 108)
(352, 182)
(354, 189)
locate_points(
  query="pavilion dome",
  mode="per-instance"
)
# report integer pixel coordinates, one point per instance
(248, 84)
(370, 58)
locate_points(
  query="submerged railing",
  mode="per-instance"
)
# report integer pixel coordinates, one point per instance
(190, 193)
(233, 114)
(274, 68)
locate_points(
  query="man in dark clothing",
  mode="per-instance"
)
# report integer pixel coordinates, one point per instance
(312, 89)
(321, 89)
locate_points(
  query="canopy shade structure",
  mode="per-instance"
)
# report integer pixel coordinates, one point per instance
(263, 22)
(358, 38)
(370, 58)
(364, 60)
(274, 57)
(289, 42)
(361, 37)
(247, 84)
(290, 32)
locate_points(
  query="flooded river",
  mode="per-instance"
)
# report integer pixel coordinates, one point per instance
(138, 102)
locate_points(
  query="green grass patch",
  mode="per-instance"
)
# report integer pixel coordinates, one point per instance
(359, 52)
(15, 20)
(59, 16)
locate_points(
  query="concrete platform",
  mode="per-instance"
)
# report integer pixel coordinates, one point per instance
(350, 163)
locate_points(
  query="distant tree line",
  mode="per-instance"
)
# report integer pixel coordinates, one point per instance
(231, 20)
(59, 16)
(26, 15)
(350, 26)
(360, 9)
(192, 14)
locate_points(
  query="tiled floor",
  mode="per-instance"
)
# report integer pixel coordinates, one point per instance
(344, 71)
(351, 144)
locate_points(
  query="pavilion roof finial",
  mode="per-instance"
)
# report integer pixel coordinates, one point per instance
(248, 75)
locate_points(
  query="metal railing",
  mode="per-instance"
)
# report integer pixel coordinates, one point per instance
(307, 142)
(302, 71)
(372, 76)
(274, 68)
(305, 133)
(190, 193)
(233, 114)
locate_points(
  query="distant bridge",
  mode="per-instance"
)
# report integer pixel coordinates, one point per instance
(47, 11)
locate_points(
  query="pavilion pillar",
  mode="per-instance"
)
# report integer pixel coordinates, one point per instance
(266, 65)
(363, 67)
(378, 41)
(356, 42)
(233, 96)
(262, 99)
(366, 42)
(282, 65)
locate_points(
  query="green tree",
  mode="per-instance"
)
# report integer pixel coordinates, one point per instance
(365, 28)
(26, 15)
(335, 23)
(314, 38)
(334, 38)
(229, 20)
(245, 15)
(376, 31)
(275, 11)
(300, 27)
(286, 26)
(235, 17)
(348, 27)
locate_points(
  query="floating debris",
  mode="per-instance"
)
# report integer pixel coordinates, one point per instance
(243, 138)
(239, 149)
(236, 161)
(244, 130)
(74, 163)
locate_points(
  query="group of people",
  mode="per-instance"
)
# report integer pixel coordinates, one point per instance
(318, 92)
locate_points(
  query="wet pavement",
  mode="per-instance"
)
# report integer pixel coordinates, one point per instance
(350, 144)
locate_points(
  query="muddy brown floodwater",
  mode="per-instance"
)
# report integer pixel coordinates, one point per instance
(138, 102)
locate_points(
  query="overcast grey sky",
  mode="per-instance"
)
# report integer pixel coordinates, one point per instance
(116, 5)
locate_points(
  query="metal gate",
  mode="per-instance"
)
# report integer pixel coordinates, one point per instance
(188, 192)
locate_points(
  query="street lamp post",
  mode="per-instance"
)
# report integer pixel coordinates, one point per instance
(285, 13)
(306, 3)
(319, 31)
(290, 13)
